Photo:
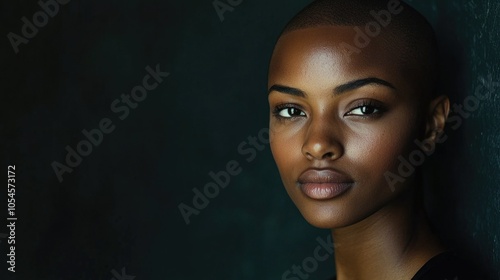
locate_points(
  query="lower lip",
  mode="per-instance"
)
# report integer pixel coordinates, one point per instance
(322, 191)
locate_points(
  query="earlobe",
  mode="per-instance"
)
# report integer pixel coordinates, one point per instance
(439, 108)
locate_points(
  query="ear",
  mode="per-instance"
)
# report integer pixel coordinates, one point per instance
(437, 114)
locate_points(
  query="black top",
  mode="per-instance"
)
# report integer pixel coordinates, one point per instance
(445, 266)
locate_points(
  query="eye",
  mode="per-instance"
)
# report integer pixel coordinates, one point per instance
(364, 110)
(367, 108)
(287, 112)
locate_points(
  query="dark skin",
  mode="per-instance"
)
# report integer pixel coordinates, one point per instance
(321, 120)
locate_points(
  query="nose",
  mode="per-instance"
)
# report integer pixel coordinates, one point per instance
(322, 141)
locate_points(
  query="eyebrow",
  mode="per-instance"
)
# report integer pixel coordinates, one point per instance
(361, 83)
(352, 85)
(287, 90)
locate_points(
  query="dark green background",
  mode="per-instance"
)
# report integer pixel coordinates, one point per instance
(118, 208)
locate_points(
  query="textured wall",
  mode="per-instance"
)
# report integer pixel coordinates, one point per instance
(467, 173)
(119, 206)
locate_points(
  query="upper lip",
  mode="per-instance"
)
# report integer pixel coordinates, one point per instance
(322, 176)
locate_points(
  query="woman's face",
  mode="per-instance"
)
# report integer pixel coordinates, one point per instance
(338, 122)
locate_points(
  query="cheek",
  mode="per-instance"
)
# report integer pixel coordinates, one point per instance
(286, 147)
(375, 151)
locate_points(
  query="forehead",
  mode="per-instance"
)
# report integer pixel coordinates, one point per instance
(335, 54)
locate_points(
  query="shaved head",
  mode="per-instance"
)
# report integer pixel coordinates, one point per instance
(406, 32)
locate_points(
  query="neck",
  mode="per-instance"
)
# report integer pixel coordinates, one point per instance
(393, 243)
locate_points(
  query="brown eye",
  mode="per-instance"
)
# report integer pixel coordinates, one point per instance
(290, 112)
(368, 110)
(364, 110)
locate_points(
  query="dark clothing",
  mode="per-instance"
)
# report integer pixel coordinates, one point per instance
(445, 266)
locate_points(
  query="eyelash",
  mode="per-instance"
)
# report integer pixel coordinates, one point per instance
(369, 103)
(277, 110)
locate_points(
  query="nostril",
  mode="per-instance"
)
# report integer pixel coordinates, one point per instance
(309, 156)
(328, 155)
(321, 145)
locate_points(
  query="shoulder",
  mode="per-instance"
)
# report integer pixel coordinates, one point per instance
(447, 266)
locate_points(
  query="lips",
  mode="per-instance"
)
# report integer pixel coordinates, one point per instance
(322, 184)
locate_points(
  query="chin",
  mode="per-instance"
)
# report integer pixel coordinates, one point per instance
(325, 216)
(340, 212)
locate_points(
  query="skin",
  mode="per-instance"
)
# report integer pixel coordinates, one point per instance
(359, 131)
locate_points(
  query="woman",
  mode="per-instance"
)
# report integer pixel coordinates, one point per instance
(352, 87)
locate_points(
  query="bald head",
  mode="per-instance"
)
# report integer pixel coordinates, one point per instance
(404, 29)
